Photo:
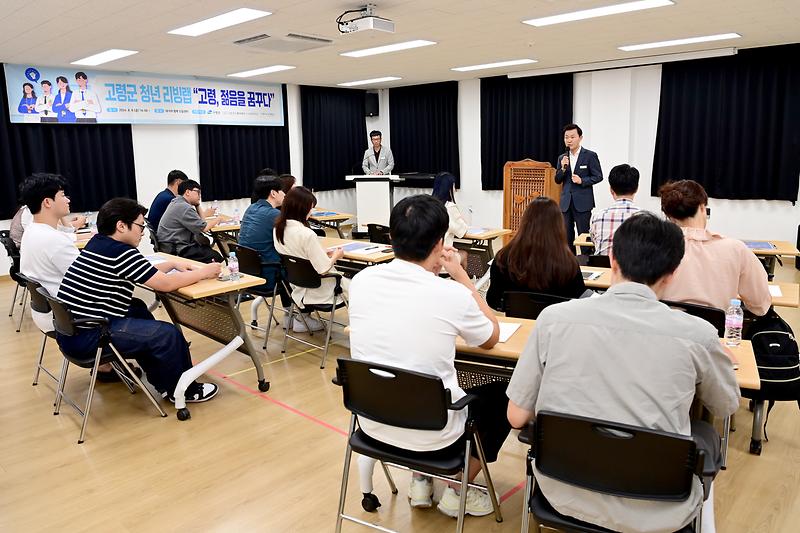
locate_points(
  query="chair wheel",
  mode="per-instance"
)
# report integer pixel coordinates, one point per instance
(263, 385)
(370, 503)
(183, 414)
(755, 447)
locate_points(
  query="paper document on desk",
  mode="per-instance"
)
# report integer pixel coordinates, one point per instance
(353, 247)
(323, 213)
(590, 275)
(775, 291)
(507, 329)
(476, 231)
(155, 259)
(760, 245)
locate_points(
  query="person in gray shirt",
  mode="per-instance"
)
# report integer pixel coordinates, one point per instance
(625, 357)
(181, 225)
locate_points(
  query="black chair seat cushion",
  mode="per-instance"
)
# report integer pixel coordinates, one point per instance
(87, 360)
(445, 462)
(548, 516)
(325, 308)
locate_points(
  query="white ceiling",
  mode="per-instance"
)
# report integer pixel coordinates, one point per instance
(57, 32)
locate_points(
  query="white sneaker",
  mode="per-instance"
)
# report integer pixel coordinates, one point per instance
(478, 502)
(420, 492)
(313, 325)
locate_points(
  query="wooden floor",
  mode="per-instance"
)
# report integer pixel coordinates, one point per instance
(248, 461)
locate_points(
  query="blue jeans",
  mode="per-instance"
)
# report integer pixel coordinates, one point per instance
(159, 347)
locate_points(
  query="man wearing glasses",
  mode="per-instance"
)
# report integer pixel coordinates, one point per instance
(99, 284)
(181, 229)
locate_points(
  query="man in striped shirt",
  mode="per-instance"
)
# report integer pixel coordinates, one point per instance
(623, 180)
(100, 284)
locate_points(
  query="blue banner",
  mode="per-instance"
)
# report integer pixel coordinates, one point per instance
(60, 95)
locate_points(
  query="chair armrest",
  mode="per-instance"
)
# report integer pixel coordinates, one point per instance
(337, 276)
(462, 403)
(97, 322)
(526, 434)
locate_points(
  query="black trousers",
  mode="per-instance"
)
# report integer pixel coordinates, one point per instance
(574, 218)
(491, 419)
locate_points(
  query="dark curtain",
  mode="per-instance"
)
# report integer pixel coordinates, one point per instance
(731, 123)
(95, 159)
(522, 118)
(424, 128)
(231, 156)
(334, 136)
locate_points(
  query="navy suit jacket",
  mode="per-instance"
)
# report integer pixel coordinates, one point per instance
(588, 169)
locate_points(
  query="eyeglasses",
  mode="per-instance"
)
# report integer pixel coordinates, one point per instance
(141, 226)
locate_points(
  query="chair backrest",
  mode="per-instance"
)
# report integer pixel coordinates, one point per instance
(393, 396)
(249, 259)
(599, 261)
(712, 315)
(38, 300)
(379, 234)
(13, 255)
(153, 237)
(319, 231)
(520, 304)
(301, 272)
(62, 318)
(616, 459)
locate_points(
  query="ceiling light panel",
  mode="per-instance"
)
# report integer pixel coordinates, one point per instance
(226, 20)
(388, 48)
(104, 57)
(604, 11)
(512, 63)
(259, 71)
(369, 82)
(678, 42)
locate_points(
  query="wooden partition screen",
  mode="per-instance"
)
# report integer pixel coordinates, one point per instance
(522, 182)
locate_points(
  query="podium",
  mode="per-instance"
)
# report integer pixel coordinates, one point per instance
(374, 199)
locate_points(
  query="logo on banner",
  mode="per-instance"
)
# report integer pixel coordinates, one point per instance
(32, 74)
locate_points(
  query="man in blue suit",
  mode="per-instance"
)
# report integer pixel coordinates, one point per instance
(578, 169)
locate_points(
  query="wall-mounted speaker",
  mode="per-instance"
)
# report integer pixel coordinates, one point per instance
(371, 104)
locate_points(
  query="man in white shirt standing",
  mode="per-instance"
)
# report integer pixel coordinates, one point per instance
(85, 103)
(404, 315)
(44, 103)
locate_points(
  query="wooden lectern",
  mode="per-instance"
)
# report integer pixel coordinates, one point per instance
(522, 182)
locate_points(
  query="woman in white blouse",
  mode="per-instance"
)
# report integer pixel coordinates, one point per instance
(292, 236)
(444, 189)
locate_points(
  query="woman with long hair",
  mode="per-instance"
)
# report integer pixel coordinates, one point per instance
(293, 236)
(537, 259)
(714, 269)
(27, 105)
(444, 189)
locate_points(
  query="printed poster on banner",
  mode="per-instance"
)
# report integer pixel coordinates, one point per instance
(61, 95)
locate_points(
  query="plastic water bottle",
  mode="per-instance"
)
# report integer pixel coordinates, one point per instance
(215, 207)
(734, 318)
(236, 216)
(233, 266)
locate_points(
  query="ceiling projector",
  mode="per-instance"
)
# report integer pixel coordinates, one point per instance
(366, 20)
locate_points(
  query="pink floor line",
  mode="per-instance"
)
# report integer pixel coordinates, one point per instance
(316, 420)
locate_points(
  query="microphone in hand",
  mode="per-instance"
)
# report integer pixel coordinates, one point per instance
(564, 163)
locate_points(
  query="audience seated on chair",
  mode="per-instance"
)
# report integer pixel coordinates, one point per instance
(23, 217)
(292, 236)
(181, 229)
(162, 199)
(714, 269)
(257, 228)
(537, 259)
(627, 358)
(623, 180)
(404, 315)
(48, 252)
(100, 283)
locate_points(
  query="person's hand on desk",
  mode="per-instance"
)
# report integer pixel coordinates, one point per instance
(208, 213)
(336, 254)
(161, 282)
(731, 356)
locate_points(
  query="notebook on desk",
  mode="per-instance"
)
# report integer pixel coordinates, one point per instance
(323, 213)
(589, 275)
(759, 245)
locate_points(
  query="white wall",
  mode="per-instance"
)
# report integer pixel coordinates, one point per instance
(617, 109)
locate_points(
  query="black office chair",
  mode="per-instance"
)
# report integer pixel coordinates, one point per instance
(40, 305)
(319, 231)
(712, 315)
(615, 459)
(13, 271)
(520, 304)
(301, 273)
(152, 231)
(410, 400)
(379, 234)
(65, 324)
(250, 263)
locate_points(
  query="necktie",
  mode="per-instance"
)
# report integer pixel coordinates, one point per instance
(84, 111)
(45, 103)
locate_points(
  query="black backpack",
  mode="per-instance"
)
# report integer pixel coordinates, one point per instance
(778, 361)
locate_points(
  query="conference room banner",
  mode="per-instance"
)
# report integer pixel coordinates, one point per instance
(59, 95)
